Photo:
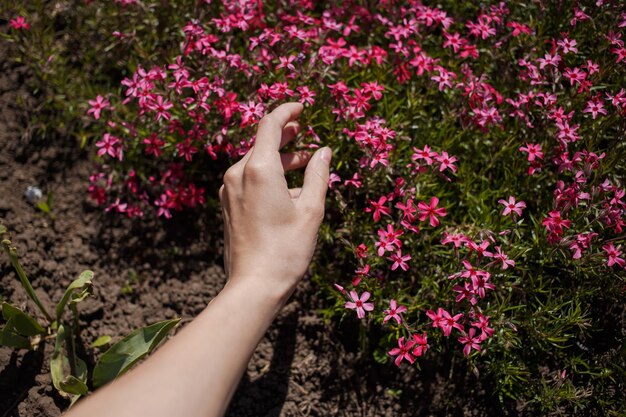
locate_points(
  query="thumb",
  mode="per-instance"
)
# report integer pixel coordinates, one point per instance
(316, 179)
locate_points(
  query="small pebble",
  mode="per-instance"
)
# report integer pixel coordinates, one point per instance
(33, 194)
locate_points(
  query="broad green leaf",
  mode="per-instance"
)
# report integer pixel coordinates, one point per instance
(62, 379)
(12, 252)
(22, 322)
(11, 339)
(124, 354)
(3, 229)
(76, 291)
(101, 341)
(73, 385)
(58, 359)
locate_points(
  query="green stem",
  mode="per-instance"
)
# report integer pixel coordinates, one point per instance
(12, 252)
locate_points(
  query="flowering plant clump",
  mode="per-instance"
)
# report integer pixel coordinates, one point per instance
(478, 158)
(476, 200)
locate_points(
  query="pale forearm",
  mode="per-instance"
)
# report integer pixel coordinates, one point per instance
(195, 373)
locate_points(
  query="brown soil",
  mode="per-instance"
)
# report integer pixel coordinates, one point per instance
(302, 367)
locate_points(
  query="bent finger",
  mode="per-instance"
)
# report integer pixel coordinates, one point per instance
(294, 160)
(316, 180)
(290, 131)
(270, 132)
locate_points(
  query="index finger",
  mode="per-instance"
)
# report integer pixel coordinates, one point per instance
(270, 131)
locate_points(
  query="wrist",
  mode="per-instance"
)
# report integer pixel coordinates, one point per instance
(258, 291)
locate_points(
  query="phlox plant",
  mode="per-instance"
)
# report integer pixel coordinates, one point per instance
(476, 201)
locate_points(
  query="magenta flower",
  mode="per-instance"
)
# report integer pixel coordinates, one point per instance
(359, 303)
(378, 208)
(555, 223)
(446, 161)
(444, 320)
(394, 312)
(470, 341)
(533, 150)
(431, 211)
(97, 105)
(403, 351)
(613, 254)
(19, 23)
(109, 145)
(512, 207)
(595, 107)
(400, 261)
(482, 323)
(457, 239)
(504, 258)
(421, 344)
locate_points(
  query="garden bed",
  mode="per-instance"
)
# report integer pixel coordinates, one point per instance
(150, 271)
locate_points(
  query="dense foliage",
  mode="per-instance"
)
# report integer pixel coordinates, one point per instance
(477, 195)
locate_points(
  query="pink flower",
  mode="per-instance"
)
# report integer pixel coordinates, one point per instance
(388, 240)
(456, 239)
(359, 303)
(403, 351)
(554, 223)
(568, 45)
(19, 23)
(332, 179)
(548, 59)
(426, 154)
(482, 323)
(251, 112)
(400, 261)
(595, 107)
(378, 208)
(470, 341)
(97, 105)
(109, 145)
(161, 107)
(421, 344)
(533, 150)
(613, 254)
(501, 256)
(444, 320)
(512, 207)
(306, 95)
(394, 312)
(431, 211)
(446, 161)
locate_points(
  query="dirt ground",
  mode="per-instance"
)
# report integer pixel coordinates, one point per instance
(146, 271)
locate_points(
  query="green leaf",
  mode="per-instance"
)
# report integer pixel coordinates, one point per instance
(124, 354)
(73, 385)
(43, 206)
(3, 229)
(77, 291)
(22, 323)
(101, 341)
(60, 369)
(11, 339)
(58, 360)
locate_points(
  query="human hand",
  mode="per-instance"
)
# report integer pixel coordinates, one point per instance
(270, 231)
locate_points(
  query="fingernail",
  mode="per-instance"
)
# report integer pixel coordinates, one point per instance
(326, 154)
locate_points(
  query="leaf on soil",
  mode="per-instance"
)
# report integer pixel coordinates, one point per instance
(124, 354)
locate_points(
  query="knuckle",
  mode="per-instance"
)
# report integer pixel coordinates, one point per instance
(230, 176)
(255, 170)
(314, 211)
